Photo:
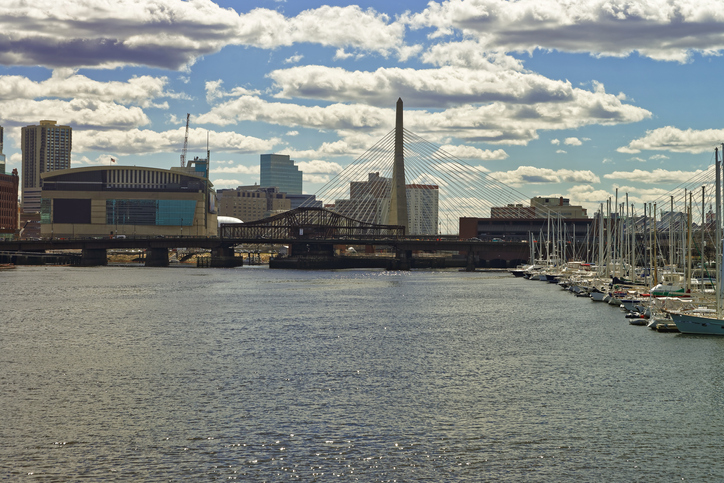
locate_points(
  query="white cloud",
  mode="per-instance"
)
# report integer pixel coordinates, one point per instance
(640, 160)
(561, 151)
(470, 54)
(66, 84)
(658, 156)
(555, 142)
(530, 174)
(214, 91)
(292, 133)
(496, 122)
(172, 35)
(293, 59)
(573, 142)
(340, 54)
(137, 141)
(79, 113)
(471, 152)
(441, 87)
(660, 29)
(319, 167)
(653, 177)
(316, 178)
(675, 140)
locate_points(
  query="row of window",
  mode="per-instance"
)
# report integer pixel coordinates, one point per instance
(120, 212)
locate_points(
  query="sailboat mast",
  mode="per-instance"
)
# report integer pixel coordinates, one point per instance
(655, 261)
(688, 245)
(671, 232)
(718, 237)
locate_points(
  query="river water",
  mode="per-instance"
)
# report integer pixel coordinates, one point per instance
(143, 374)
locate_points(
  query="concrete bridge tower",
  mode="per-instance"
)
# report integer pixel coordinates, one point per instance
(398, 197)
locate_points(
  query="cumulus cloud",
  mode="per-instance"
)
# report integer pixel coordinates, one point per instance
(675, 140)
(145, 141)
(171, 34)
(471, 152)
(653, 177)
(293, 59)
(555, 142)
(214, 91)
(530, 174)
(495, 122)
(470, 54)
(573, 142)
(319, 167)
(442, 87)
(78, 113)
(659, 29)
(67, 84)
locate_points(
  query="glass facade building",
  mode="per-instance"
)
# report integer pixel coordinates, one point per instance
(277, 170)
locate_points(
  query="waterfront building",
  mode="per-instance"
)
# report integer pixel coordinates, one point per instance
(251, 203)
(278, 171)
(540, 207)
(128, 201)
(557, 206)
(45, 148)
(9, 203)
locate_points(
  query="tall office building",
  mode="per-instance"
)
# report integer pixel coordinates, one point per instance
(277, 170)
(2, 156)
(45, 147)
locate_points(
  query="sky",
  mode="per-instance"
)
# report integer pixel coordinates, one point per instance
(572, 98)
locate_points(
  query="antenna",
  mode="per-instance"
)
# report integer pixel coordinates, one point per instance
(186, 142)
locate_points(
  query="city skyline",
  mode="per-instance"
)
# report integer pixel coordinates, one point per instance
(550, 97)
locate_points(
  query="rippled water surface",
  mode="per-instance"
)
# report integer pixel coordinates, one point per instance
(142, 374)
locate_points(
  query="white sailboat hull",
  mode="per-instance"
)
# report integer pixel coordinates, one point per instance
(695, 324)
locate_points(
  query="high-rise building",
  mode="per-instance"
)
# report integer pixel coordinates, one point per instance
(422, 207)
(2, 156)
(45, 147)
(277, 170)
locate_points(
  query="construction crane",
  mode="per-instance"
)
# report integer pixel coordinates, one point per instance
(186, 142)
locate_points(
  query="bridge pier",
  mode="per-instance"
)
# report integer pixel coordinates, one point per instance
(470, 263)
(224, 257)
(93, 257)
(156, 257)
(402, 261)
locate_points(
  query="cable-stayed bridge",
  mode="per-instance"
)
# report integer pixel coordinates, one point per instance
(439, 188)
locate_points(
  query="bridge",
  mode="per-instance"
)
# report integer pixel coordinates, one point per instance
(311, 234)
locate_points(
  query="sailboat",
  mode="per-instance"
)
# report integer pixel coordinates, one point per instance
(704, 322)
